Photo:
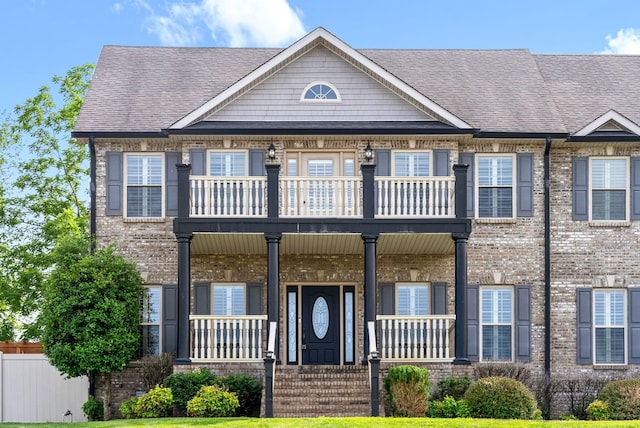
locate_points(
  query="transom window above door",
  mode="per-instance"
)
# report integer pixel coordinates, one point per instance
(320, 92)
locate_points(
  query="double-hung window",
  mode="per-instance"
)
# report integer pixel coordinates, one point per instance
(497, 323)
(150, 321)
(411, 164)
(609, 326)
(229, 299)
(609, 182)
(412, 299)
(144, 185)
(228, 163)
(495, 185)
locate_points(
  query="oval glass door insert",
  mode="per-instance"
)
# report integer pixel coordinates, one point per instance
(320, 317)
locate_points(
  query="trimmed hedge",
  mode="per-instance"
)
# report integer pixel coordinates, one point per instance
(213, 402)
(186, 385)
(407, 389)
(501, 398)
(622, 398)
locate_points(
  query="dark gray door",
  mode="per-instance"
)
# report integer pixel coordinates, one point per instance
(321, 325)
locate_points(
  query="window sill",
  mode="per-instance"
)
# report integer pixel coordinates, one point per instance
(495, 220)
(144, 219)
(605, 223)
(611, 367)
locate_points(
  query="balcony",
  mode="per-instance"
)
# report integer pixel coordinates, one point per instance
(227, 338)
(393, 197)
(416, 338)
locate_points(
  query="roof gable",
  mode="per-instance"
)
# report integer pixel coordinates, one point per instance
(320, 37)
(611, 121)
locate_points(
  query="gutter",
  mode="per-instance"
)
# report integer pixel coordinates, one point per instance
(92, 192)
(547, 260)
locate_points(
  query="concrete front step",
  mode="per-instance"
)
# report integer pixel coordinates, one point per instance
(311, 391)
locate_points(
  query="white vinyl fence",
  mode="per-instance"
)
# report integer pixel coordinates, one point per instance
(32, 390)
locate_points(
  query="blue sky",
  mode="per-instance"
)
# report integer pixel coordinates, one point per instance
(42, 38)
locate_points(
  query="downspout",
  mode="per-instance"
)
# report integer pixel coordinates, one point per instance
(547, 261)
(92, 229)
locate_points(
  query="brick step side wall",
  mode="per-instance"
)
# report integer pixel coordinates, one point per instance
(312, 391)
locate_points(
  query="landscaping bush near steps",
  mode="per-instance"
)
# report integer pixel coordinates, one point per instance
(407, 389)
(186, 385)
(157, 403)
(501, 398)
(213, 402)
(622, 398)
(247, 389)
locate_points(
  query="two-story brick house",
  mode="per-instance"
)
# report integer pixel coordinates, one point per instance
(441, 207)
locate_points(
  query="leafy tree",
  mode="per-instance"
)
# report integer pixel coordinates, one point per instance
(91, 311)
(43, 195)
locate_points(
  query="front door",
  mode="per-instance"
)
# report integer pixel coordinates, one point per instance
(321, 325)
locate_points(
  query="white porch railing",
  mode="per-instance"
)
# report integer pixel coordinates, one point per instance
(321, 196)
(418, 338)
(228, 196)
(415, 196)
(227, 338)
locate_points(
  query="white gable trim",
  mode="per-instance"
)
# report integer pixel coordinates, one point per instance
(608, 116)
(318, 36)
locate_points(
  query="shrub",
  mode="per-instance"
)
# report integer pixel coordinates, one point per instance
(598, 411)
(449, 408)
(501, 398)
(407, 389)
(213, 402)
(156, 403)
(94, 409)
(185, 386)
(155, 368)
(519, 372)
(579, 392)
(247, 389)
(623, 398)
(128, 408)
(451, 386)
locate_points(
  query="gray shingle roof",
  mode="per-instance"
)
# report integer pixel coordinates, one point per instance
(147, 89)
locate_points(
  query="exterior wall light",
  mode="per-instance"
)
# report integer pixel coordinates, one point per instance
(271, 152)
(368, 152)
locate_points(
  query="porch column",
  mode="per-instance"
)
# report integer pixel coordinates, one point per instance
(273, 285)
(272, 189)
(184, 298)
(460, 172)
(370, 295)
(183, 190)
(461, 298)
(368, 190)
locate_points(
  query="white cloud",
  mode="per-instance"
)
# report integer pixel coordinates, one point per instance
(117, 8)
(235, 23)
(626, 42)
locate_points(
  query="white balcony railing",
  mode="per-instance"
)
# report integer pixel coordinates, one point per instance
(321, 196)
(432, 197)
(227, 338)
(415, 196)
(416, 338)
(228, 196)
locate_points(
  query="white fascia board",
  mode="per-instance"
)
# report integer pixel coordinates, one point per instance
(292, 51)
(610, 115)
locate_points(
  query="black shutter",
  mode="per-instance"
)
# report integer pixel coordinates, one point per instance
(383, 162)
(468, 159)
(387, 298)
(441, 162)
(114, 183)
(256, 162)
(584, 353)
(473, 322)
(580, 188)
(202, 298)
(198, 159)
(635, 188)
(170, 319)
(439, 298)
(634, 326)
(523, 323)
(171, 182)
(525, 185)
(254, 298)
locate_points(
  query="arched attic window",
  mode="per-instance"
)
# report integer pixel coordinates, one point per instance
(320, 92)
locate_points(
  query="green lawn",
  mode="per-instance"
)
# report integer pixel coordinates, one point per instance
(330, 423)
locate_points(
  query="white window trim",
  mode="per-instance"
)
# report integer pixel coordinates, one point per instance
(513, 308)
(230, 284)
(320, 100)
(246, 162)
(125, 186)
(514, 184)
(412, 285)
(160, 314)
(627, 190)
(625, 326)
(393, 161)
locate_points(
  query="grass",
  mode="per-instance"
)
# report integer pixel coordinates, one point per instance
(327, 423)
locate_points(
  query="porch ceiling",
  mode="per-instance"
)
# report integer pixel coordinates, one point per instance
(321, 243)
